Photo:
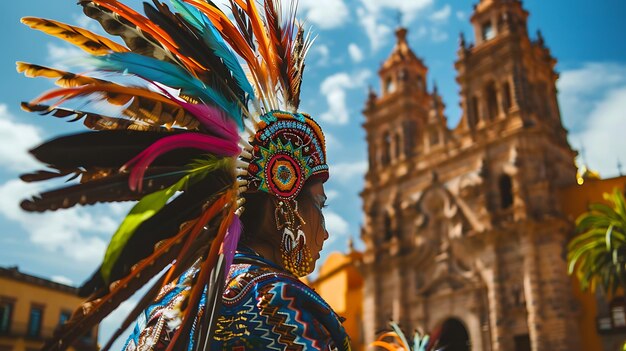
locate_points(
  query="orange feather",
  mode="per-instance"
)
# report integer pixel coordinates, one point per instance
(197, 229)
(149, 27)
(65, 79)
(125, 94)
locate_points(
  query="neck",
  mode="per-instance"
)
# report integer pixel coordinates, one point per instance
(267, 251)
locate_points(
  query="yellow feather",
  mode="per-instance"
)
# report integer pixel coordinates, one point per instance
(82, 38)
(65, 79)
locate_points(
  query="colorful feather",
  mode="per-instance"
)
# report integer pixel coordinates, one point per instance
(108, 189)
(211, 37)
(91, 120)
(82, 38)
(167, 74)
(138, 41)
(198, 141)
(230, 243)
(149, 27)
(64, 79)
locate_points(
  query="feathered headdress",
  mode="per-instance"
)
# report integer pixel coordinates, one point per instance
(192, 129)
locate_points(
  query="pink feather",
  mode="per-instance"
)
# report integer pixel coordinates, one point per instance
(229, 246)
(211, 117)
(208, 143)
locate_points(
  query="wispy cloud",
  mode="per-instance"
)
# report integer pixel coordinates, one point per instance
(63, 57)
(593, 105)
(62, 280)
(74, 233)
(326, 14)
(16, 139)
(441, 15)
(321, 54)
(334, 89)
(336, 225)
(378, 33)
(355, 53)
(348, 172)
(374, 17)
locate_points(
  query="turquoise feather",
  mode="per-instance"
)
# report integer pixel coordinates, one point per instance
(168, 74)
(212, 38)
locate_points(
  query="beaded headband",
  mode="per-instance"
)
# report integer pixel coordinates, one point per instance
(287, 150)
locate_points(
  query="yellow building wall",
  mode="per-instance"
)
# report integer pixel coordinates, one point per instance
(575, 201)
(25, 295)
(341, 285)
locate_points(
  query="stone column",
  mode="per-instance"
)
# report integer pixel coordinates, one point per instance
(369, 305)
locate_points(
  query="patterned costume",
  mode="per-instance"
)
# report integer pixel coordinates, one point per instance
(193, 113)
(263, 308)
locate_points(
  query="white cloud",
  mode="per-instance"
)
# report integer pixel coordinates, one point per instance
(336, 225)
(593, 101)
(355, 53)
(323, 53)
(74, 233)
(61, 232)
(90, 24)
(333, 144)
(375, 12)
(603, 138)
(16, 139)
(377, 33)
(408, 9)
(441, 15)
(331, 194)
(64, 57)
(62, 280)
(326, 14)
(437, 35)
(334, 88)
(460, 15)
(348, 172)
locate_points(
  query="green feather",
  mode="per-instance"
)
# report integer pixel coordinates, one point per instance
(151, 204)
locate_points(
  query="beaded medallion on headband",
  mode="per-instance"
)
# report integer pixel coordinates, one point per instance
(288, 149)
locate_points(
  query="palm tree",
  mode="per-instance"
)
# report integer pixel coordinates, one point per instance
(396, 341)
(598, 254)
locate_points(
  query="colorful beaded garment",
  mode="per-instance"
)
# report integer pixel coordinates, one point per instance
(263, 308)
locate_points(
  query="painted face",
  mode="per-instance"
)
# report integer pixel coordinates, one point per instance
(315, 226)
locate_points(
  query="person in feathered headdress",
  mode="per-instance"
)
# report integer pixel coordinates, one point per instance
(227, 173)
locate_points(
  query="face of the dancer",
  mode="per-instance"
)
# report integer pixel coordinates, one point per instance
(310, 209)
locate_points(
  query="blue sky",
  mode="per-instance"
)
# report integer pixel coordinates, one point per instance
(353, 38)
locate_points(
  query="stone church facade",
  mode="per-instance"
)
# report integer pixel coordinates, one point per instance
(462, 226)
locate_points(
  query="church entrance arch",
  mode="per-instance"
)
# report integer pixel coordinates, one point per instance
(454, 336)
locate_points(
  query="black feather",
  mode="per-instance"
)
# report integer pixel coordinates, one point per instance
(110, 189)
(107, 149)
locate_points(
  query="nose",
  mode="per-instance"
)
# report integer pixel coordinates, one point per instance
(326, 235)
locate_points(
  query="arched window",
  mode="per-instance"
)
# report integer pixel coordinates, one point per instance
(409, 134)
(474, 112)
(488, 31)
(386, 145)
(506, 97)
(420, 83)
(492, 101)
(388, 227)
(398, 146)
(506, 191)
(390, 87)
